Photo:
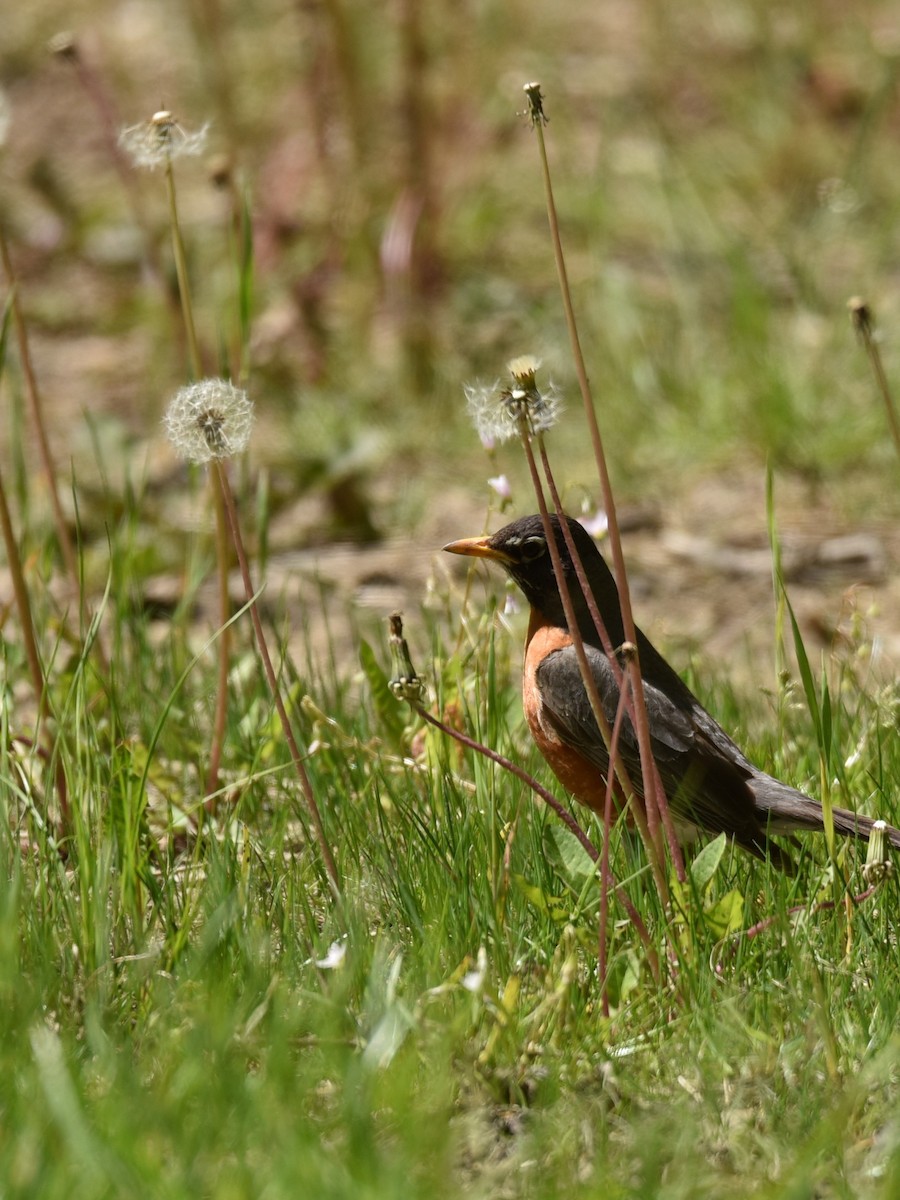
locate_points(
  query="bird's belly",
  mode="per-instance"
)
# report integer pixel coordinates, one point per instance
(578, 776)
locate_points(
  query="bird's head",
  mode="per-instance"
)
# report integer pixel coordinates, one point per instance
(521, 549)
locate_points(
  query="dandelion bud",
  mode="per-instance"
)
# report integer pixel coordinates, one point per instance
(156, 142)
(878, 864)
(404, 682)
(861, 317)
(523, 370)
(210, 419)
(535, 103)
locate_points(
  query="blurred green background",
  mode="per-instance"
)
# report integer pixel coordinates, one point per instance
(176, 1015)
(726, 178)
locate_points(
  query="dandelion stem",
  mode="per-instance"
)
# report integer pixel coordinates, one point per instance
(37, 414)
(654, 794)
(23, 604)
(864, 323)
(590, 600)
(224, 644)
(181, 271)
(605, 874)
(407, 686)
(220, 474)
(90, 79)
(224, 649)
(654, 853)
(38, 680)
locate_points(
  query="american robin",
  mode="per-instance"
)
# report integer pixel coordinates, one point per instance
(710, 784)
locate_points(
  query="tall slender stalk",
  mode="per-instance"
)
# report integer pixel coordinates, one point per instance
(222, 556)
(220, 475)
(654, 794)
(654, 853)
(406, 685)
(67, 47)
(210, 422)
(181, 271)
(66, 545)
(864, 323)
(23, 604)
(674, 846)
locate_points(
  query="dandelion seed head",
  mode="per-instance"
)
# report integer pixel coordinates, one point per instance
(500, 413)
(210, 419)
(158, 141)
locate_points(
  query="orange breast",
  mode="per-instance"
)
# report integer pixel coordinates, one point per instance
(575, 773)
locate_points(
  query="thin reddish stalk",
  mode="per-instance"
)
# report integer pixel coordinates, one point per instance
(674, 846)
(231, 512)
(181, 271)
(864, 323)
(654, 855)
(108, 125)
(564, 815)
(23, 604)
(605, 877)
(66, 546)
(654, 795)
(221, 716)
(224, 645)
(822, 906)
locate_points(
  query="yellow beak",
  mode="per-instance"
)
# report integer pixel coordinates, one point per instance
(478, 547)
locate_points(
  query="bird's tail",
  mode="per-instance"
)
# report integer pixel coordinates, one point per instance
(786, 810)
(855, 825)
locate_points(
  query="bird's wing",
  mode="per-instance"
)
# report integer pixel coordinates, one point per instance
(703, 783)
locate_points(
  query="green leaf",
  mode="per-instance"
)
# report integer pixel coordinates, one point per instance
(806, 675)
(387, 706)
(726, 915)
(707, 862)
(567, 854)
(554, 907)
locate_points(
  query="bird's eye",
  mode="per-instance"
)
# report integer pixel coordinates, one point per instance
(532, 548)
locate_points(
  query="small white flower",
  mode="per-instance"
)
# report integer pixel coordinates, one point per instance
(473, 981)
(156, 142)
(334, 957)
(596, 525)
(210, 419)
(501, 486)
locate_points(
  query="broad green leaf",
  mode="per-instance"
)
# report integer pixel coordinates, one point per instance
(707, 862)
(726, 915)
(555, 907)
(387, 707)
(567, 854)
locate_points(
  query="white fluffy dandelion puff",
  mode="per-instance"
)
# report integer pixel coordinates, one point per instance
(156, 142)
(500, 413)
(210, 419)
